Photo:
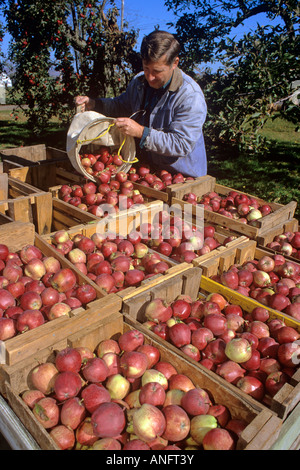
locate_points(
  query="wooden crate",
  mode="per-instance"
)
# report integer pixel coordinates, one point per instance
(121, 225)
(267, 236)
(30, 156)
(224, 257)
(263, 426)
(22, 202)
(28, 343)
(221, 260)
(289, 395)
(190, 282)
(281, 213)
(48, 174)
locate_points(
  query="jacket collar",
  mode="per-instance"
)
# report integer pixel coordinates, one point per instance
(176, 81)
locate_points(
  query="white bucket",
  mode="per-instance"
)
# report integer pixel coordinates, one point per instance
(91, 128)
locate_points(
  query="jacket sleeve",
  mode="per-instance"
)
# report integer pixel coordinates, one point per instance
(179, 138)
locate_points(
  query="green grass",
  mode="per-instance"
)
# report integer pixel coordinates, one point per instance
(16, 133)
(274, 176)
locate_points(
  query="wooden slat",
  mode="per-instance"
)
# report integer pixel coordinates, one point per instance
(43, 213)
(288, 438)
(199, 186)
(38, 432)
(267, 236)
(16, 235)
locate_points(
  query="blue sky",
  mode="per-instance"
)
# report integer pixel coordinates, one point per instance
(140, 14)
(145, 15)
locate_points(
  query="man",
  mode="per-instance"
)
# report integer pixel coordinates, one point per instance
(167, 106)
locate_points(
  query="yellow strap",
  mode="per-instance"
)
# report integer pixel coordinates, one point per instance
(78, 142)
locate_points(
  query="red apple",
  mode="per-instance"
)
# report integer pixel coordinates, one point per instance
(196, 402)
(180, 334)
(230, 371)
(108, 420)
(152, 393)
(28, 320)
(148, 422)
(47, 412)
(218, 439)
(67, 385)
(133, 364)
(43, 377)
(177, 423)
(252, 386)
(93, 395)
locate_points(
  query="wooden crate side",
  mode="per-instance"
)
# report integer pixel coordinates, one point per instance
(221, 259)
(200, 186)
(66, 216)
(36, 430)
(5, 219)
(288, 438)
(23, 234)
(268, 236)
(31, 153)
(285, 400)
(261, 433)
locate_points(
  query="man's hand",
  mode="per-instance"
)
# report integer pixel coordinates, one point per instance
(129, 127)
(84, 103)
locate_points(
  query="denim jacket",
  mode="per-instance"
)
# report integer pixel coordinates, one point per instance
(175, 140)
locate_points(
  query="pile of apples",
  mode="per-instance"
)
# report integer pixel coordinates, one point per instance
(250, 350)
(107, 197)
(35, 289)
(176, 238)
(159, 180)
(113, 263)
(287, 244)
(106, 161)
(96, 163)
(123, 396)
(272, 280)
(234, 205)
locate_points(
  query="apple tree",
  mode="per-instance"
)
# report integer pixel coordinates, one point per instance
(246, 79)
(61, 49)
(1, 52)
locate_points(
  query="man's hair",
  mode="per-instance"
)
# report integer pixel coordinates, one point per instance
(158, 44)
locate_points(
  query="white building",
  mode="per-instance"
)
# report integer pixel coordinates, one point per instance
(5, 82)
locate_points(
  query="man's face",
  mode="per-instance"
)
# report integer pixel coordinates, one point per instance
(158, 73)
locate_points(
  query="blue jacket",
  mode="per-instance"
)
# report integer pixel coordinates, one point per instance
(175, 140)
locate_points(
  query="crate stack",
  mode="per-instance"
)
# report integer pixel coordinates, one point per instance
(32, 212)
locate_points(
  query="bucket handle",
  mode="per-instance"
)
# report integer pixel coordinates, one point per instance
(78, 142)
